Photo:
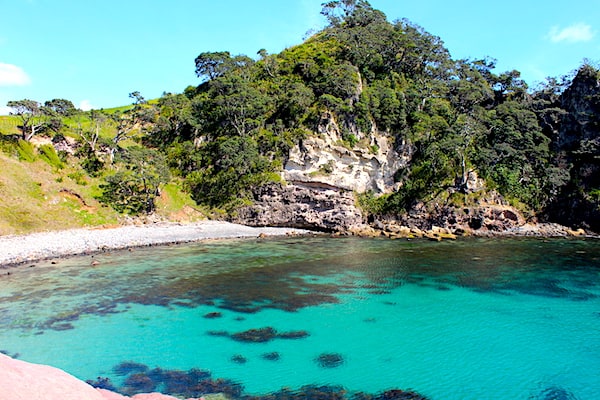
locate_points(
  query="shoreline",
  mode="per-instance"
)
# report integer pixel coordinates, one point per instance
(16, 250)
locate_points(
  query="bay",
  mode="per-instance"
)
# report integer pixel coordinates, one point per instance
(471, 319)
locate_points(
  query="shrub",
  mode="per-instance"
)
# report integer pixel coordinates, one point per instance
(25, 151)
(49, 155)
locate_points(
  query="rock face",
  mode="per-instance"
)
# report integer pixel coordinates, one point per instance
(322, 172)
(324, 158)
(492, 215)
(20, 380)
(308, 205)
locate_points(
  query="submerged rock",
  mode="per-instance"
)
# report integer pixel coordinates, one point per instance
(273, 356)
(129, 367)
(397, 394)
(555, 393)
(239, 359)
(329, 360)
(213, 315)
(255, 335)
(293, 335)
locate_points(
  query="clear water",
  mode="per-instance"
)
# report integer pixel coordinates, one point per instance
(472, 319)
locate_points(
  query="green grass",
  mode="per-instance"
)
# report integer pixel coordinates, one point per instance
(36, 196)
(9, 124)
(177, 205)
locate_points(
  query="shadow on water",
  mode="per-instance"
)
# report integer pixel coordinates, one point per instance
(288, 275)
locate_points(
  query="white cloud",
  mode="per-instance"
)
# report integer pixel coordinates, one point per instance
(12, 75)
(85, 105)
(575, 33)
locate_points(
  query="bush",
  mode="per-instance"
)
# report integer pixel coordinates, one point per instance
(25, 151)
(49, 155)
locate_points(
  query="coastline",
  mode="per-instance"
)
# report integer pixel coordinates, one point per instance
(21, 249)
(16, 250)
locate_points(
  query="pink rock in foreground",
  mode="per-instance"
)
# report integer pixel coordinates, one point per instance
(20, 380)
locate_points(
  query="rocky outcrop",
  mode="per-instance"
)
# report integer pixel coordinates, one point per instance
(309, 205)
(325, 158)
(20, 380)
(322, 173)
(486, 217)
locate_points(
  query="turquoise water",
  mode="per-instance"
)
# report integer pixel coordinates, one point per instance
(472, 319)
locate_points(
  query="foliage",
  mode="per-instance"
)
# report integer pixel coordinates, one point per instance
(25, 151)
(234, 168)
(61, 107)
(133, 188)
(372, 204)
(49, 155)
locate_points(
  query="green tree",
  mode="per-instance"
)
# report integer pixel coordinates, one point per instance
(225, 180)
(133, 188)
(212, 65)
(132, 123)
(174, 121)
(32, 115)
(61, 107)
(232, 105)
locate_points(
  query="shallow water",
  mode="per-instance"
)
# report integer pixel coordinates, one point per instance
(472, 319)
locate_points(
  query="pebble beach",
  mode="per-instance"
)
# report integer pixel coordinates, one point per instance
(20, 249)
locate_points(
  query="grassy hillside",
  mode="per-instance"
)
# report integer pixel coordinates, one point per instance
(35, 197)
(41, 191)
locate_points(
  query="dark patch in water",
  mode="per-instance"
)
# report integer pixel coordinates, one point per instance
(555, 393)
(239, 359)
(273, 356)
(396, 394)
(218, 333)
(329, 360)
(255, 335)
(11, 355)
(102, 383)
(138, 383)
(129, 367)
(261, 335)
(379, 292)
(293, 335)
(196, 383)
(213, 315)
(307, 392)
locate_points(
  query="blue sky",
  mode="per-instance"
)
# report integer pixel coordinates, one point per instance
(95, 53)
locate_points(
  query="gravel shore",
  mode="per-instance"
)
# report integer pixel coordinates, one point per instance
(47, 245)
